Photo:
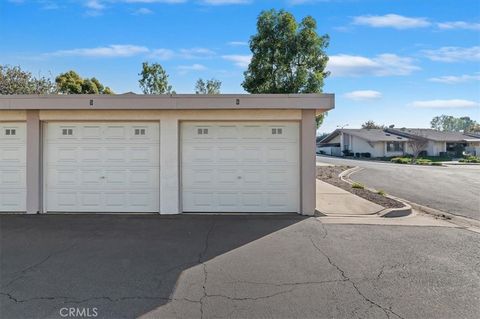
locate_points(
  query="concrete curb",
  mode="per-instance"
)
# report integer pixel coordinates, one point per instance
(454, 219)
(387, 212)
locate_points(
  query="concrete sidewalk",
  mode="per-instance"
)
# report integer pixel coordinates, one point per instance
(332, 200)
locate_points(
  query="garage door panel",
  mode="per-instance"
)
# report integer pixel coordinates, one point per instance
(12, 167)
(12, 177)
(240, 167)
(102, 167)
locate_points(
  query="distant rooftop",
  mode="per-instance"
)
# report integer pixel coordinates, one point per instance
(432, 134)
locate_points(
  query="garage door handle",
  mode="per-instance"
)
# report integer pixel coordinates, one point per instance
(102, 177)
(239, 177)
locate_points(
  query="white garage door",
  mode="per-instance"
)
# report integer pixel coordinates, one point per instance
(240, 167)
(102, 167)
(12, 167)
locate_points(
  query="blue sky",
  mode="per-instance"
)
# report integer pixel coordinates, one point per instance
(395, 62)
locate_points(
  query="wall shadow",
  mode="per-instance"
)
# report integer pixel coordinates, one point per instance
(125, 265)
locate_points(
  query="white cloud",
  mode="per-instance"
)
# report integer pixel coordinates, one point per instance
(239, 60)
(162, 54)
(454, 54)
(94, 5)
(151, 1)
(183, 69)
(363, 95)
(142, 11)
(196, 53)
(391, 21)
(238, 43)
(458, 25)
(116, 50)
(225, 2)
(440, 104)
(382, 65)
(454, 79)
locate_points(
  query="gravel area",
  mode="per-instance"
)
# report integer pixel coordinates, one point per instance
(330, 174)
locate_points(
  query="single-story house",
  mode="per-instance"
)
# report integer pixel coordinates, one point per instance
(439, 142)
(363, 143)
(395, 142)
(159, 153)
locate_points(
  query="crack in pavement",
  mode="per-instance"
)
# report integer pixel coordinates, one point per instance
(325, 231)
(387, 311)
(24, 271)
(205, 273)
(287, 284)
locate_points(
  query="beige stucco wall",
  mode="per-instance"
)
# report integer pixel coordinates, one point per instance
(13, 115)
(182, 115)
(359, 145)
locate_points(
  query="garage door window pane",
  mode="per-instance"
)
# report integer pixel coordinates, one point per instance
(10, 132)
(67, 132)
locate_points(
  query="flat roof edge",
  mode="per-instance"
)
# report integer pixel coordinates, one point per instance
(315, 101)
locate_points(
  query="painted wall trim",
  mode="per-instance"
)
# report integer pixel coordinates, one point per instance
(321, 102)
(33, 162)
(308, 165)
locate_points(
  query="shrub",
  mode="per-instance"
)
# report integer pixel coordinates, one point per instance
(436, 164)
(381, 192)
(401, 160)
(358, 185)
(357, 154)
(470, 159)
(423, 161)
(367, 155)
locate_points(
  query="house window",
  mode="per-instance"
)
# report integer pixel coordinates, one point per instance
(394, 146)
(202, 131)
(10, 132)
(67, 131)
(139, 131)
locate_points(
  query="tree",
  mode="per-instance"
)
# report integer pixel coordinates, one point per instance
(13, 80)
(288, 57)
(154, 79)
(209, 87)
(417, 144)
(72, 83)
(372, 125)
(450, 123)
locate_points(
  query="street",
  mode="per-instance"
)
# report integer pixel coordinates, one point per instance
(150, 266)
(453, 189)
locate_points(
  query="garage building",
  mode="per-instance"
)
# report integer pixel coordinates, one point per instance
(162, 154)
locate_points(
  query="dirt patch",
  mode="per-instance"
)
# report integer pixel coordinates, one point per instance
(329, 174)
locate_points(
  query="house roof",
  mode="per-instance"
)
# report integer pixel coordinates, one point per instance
(389, 134)
(435, 135)
(319, 102)
(372, 135)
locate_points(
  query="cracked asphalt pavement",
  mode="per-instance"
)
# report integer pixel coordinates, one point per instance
(151, 266)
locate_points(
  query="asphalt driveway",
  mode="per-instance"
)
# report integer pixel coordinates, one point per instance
(234, 266)
(453, 189)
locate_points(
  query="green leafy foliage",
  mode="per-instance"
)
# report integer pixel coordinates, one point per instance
(358, 186)
(72, 83)
(401, 160)
(154, 79)
(450, 123)
(372, 125)
(470, 159)
(14, 80)
(288, 57)
(211, 86)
